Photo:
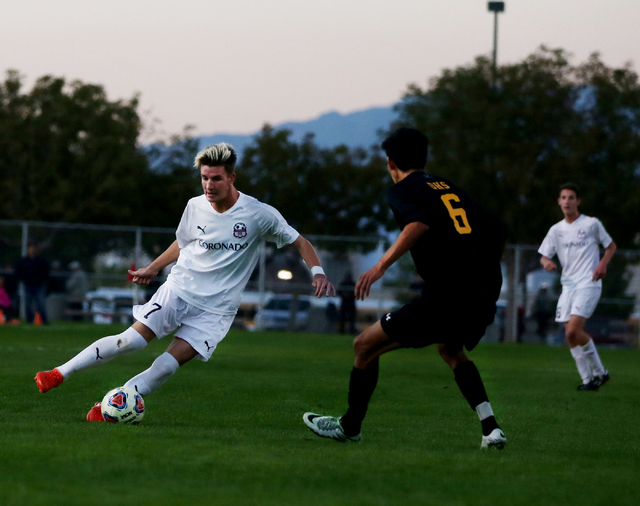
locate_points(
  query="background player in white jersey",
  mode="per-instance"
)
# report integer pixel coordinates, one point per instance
(215, 251)
(576, 240)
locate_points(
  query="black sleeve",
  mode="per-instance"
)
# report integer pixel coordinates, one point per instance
(406, 208)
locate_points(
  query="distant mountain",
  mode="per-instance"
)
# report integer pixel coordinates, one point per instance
(356, 129)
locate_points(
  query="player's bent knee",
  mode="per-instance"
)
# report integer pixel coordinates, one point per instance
(446, 357)
(361, 345)
(372, 343)
(452, 359)
(572, 335)
(144, 331)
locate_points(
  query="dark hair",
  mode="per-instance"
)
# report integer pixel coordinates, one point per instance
(407, 147)
(571, 186)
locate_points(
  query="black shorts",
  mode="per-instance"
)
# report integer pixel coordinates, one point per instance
(455, 320)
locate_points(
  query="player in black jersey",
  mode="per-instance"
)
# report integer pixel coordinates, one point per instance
(456, 247)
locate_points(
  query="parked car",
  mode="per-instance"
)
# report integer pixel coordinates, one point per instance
(110, 305)
(276, 313)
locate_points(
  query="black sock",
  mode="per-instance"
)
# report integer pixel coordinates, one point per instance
(470, 383)
(488, 425)
(361, 386)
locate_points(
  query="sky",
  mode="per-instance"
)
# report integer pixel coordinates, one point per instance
(231, 66)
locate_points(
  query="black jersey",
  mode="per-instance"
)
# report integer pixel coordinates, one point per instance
(463, 244)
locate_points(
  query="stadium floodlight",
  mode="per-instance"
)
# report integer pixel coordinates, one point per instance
(495, 7)
(285, 275)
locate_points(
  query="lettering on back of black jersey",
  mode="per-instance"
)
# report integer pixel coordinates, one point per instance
(438, 185)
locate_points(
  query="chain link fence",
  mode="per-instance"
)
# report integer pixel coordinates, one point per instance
(278, 293)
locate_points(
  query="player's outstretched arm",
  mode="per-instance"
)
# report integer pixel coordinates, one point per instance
(601, 269)
(309, 255)
(548, 264)
(144, 275)
(407, 238)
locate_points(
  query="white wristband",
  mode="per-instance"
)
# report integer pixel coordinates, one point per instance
(316, 269)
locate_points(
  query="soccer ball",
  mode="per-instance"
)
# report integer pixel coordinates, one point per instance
(123, 405)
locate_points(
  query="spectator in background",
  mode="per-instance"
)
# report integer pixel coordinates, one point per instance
(57, 282)
(6, 306)
(11, 284)
(77, 288)
(543, 311)
(346, 292)
(33, 271)
(333, 316)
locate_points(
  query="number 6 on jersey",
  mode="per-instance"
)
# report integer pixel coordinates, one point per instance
(454, 212)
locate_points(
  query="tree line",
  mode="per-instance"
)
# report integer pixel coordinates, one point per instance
(68, 153)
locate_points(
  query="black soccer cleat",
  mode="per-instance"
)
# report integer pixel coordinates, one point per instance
(592, 386)
(602, 379)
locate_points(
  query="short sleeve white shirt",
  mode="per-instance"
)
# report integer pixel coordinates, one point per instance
(577, 245)
(218, 251)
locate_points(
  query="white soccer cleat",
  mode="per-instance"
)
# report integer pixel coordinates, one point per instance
(496, 439)
(328, 426)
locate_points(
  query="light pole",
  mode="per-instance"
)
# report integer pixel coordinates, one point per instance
(495, 7)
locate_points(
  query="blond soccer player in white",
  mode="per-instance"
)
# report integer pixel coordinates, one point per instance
(576, 241)
(215, 252)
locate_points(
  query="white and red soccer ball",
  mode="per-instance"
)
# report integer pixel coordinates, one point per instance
(123, 405)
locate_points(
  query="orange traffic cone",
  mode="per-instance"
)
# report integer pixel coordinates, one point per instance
(38, 319)
(2, 317)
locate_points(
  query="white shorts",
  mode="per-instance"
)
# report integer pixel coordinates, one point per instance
(580, 302)
(166, 312)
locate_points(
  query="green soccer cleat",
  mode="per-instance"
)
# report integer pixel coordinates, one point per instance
(496, 439)
(329, 427)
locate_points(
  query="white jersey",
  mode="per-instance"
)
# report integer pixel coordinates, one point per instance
(577, 247)
(218, 251)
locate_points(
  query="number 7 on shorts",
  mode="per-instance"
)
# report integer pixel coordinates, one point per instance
(158, 308)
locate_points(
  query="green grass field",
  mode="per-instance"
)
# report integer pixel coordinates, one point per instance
(230, 431)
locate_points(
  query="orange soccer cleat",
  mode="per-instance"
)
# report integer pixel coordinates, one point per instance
(46, 380)
(95, 413)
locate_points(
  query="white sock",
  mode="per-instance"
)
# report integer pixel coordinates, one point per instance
(104, 350)
(582, 364)
(484, 410)
(593, 358)
(160, 371)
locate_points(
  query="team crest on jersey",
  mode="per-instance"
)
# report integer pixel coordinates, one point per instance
(240, 230)
(582, 234)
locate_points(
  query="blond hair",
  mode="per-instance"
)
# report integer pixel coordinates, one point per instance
(217, 155)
